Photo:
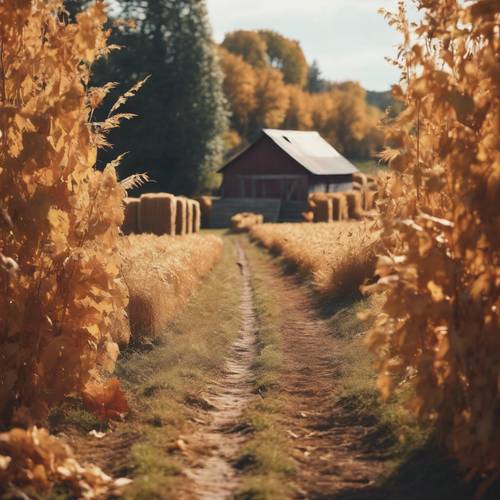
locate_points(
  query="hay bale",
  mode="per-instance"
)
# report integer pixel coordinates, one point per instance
(206, 209)
(244, 221)
(323, 211)
(131, 216)
(189, 216)
(370, 198)
(181, 216)
(361, 179)
(339, 207)
(354, 204)
(308, 216)
(157, 214)
(196, 216)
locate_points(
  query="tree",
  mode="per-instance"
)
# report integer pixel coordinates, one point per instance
(315, 83)
(287, 56)
(240, 82)
(272, 99)
(249, 45)
(299, 114)
(178, 136)
(74, 7)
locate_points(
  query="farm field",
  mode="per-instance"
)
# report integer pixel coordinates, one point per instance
(227, 275)
(337, 257)
(305, 393)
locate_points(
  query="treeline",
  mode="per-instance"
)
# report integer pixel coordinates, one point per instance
(269, 83)
(204, 102)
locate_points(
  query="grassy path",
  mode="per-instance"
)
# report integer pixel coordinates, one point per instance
(250, 394)
(220, 441)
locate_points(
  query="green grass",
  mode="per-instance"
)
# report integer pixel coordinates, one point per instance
(166, 382)
(370, 167)
(265, 458)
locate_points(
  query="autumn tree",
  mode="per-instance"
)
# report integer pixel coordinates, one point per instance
(269, 84)
(249, 45)
(272, 99)
(287, 56)
(240, 84)
(299, 113)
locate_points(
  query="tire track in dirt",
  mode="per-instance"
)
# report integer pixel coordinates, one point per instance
(331, 447)
(213, 475)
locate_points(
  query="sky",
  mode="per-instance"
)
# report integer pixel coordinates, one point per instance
(348, 38)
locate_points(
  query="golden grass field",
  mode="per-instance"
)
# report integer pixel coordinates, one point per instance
(161, 273)
(337, 257)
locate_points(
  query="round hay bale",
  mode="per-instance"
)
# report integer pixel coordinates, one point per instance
(360, 178)
(181, 216)
(308, 216)
(157, 214)
(370, 198)
(354, 204)
(131, 216)
(339, 207)
(244, 221)
(323, 211)
(189, 216)
(196, 216)
(206, 209)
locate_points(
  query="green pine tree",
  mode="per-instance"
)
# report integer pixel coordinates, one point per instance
(182, 113)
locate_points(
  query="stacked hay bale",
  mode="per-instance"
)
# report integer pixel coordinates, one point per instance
(157, 213)
(131, 216)
(189, 217)
(181, 216)
(196, 217)
(371, 194)
(354, 204)
(244, 221)
(205, 208)
(162, 214)
(328, 207)
(339, 206)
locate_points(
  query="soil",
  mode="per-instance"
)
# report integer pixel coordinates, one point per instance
(219, 441)
(329, 448)
(334, 457)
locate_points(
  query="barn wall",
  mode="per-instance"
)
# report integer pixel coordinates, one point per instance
(244, 176)
(263, 158)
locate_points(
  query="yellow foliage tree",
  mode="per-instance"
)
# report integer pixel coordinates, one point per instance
(439, 330)
(272, 98)
(60, 217)
(240, 84)
(299, 115)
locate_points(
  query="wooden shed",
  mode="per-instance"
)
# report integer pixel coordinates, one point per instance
(286, 165)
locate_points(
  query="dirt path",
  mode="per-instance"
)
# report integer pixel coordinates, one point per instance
(330, 448)
(213, 474)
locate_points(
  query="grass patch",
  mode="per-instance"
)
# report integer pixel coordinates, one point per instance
(164, 380)
(71, 413)
(370, 167)
(264, 460)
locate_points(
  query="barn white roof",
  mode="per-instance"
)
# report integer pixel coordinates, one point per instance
(311, 151)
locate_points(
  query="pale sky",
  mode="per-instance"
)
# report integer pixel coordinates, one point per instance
(348, 38)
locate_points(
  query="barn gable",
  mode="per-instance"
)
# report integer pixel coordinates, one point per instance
(307, 150)
(311, 151)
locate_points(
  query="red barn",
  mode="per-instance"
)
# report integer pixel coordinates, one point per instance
(280, 170)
